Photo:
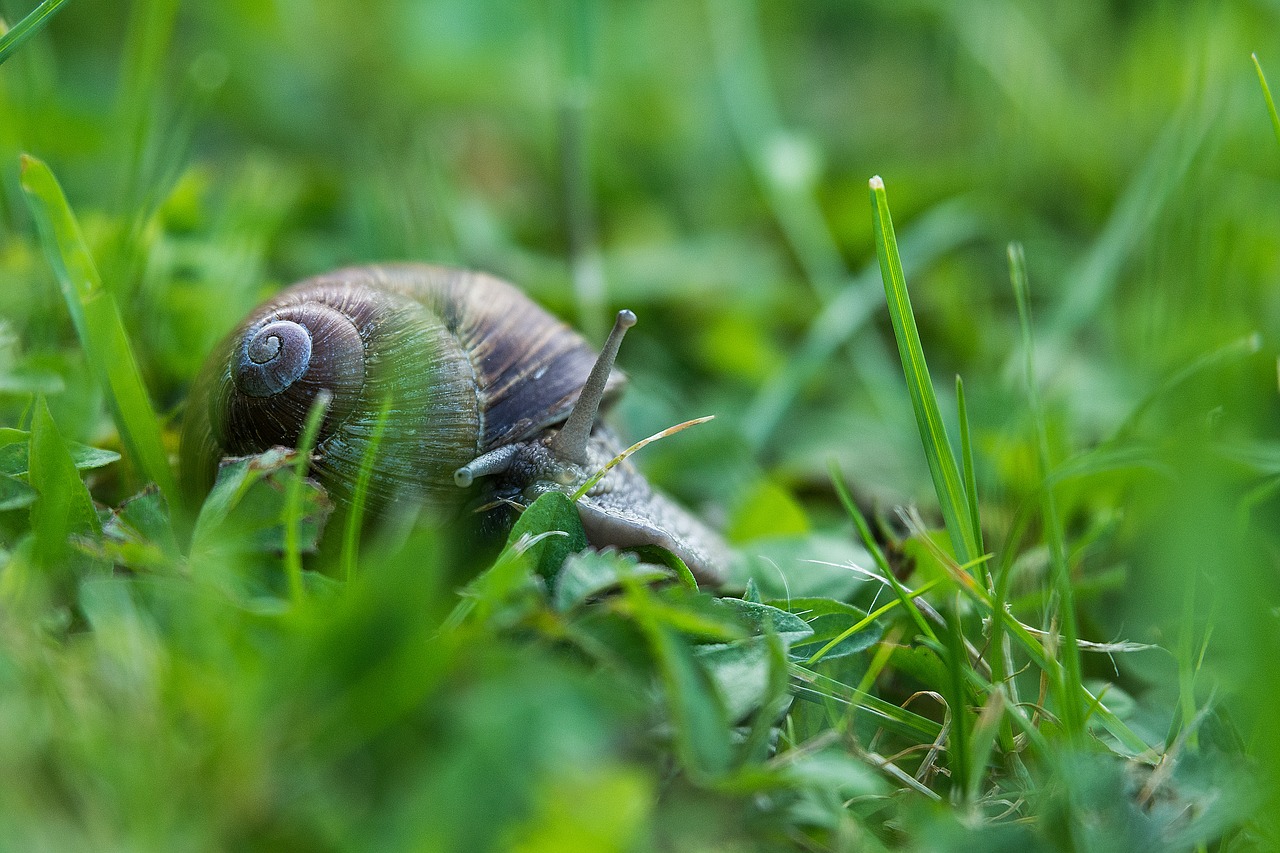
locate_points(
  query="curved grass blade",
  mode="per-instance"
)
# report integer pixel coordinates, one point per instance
(355, 517)
(293, 498)
(27, 27)
(98, 323)
(1072, 691)
(1266, 93)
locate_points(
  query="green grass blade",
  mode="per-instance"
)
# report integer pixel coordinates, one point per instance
(933, 432)
(1072, 690)
(1167, 167)
(970, 478)
(355, 517)
(27, 27)
(815, 687)
(877, 554)
(1266, 93)
(293, 499)
(942, 466)
(864, 623)
(99, 325)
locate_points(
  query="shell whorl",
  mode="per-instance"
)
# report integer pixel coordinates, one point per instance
(272, 358)
(282, 362)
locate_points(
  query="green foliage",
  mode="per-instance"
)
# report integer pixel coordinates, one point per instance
(1058, 633)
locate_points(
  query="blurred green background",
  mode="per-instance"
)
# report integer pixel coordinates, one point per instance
(706, 165)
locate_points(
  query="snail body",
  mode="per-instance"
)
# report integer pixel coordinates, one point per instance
(492, 401)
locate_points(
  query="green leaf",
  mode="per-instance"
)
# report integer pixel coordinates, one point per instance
(740, 671)
(836, 772)
(64, 506)
(541, 540)
(697, 712)
(14, 454)
(98, 323)
(245, 512)
(552, 512)
(590, 573)
(829, 619)
(15, 494)
(660, 556)
(763, 617)
(139, 534)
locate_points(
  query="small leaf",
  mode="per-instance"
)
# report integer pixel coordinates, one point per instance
(835, 771)
(139, 534)
(590, 573)
(657, 555)
(244, 513)
(740, 671)
(700, 719)
(829, 619)
(64, 506)
(15, 454)
(551, 512)
(763, 617)
(15, 494)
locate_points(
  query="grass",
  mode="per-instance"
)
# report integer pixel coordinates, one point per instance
(1029, 610)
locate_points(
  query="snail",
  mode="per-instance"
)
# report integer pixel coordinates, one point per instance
(492, 402)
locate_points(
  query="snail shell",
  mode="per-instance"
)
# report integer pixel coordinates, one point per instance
(482, 384)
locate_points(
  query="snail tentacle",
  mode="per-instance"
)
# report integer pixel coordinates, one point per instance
(570, 443)
(493, 462)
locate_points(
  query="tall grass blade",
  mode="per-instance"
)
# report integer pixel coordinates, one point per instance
(99, 325)
(359, 495)
(970, 477)
(1266, 93)
(27, 27)
(1166, 168)
(942, 466)
(933, 432)
(293, 498)
(932, 235)
(1072, 690)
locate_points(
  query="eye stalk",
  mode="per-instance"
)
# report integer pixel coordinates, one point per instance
(570, 444)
